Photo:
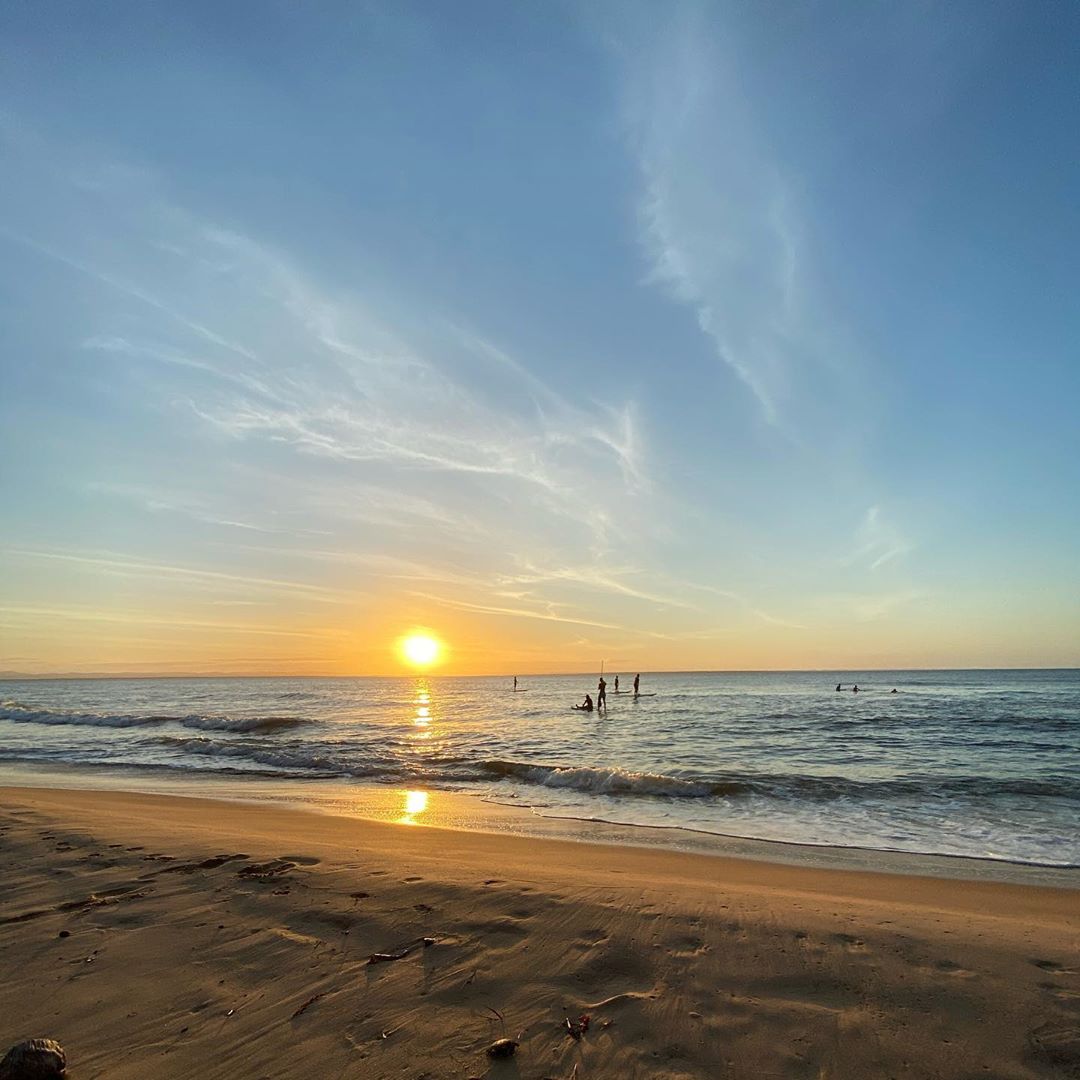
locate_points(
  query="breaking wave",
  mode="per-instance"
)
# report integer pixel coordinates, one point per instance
(26, 714)
(613, 781)
(605, 781)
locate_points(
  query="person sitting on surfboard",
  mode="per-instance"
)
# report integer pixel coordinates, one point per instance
(586, 705)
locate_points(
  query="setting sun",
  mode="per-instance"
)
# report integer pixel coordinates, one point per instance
(420, 650)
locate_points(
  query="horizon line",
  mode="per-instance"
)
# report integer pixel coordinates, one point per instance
(16, 676)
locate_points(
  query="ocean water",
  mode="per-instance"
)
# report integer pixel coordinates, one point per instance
(970, 763)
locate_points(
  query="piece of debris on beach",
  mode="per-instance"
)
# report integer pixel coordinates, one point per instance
(387, 957)
(34, 1059)
(578, 1027)
(502, 1048)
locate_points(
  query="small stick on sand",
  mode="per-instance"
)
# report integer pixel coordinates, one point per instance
(310, 1001)
(387, 957)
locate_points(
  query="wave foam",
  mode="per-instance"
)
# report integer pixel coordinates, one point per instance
(608, 781)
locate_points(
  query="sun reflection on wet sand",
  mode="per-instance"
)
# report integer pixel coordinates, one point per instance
(415, 804)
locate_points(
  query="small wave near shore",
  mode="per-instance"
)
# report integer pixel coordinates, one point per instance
(28, 714)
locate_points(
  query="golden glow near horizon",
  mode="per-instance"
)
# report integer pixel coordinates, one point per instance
(420, 650)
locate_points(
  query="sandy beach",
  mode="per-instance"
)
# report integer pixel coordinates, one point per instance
(169, 937)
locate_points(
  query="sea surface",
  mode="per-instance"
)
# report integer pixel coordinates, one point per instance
(970, 763)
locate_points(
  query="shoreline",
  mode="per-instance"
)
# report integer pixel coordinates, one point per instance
(175, 937)
(466, 812)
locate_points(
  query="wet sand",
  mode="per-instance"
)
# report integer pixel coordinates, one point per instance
(211, 939)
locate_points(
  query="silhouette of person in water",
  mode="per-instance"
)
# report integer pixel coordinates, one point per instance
(616, 684)
(894, 691)
(855, 688)
(601, 694)
(515, 682)
(586, 705)
(838, 687)
(637, 681)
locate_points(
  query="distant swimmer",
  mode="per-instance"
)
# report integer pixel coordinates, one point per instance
(839, 686)
(515, 682)
(616, 684)
(637, 682)
(855, 688)
(894, 691)
(586, 705)
(601, 694)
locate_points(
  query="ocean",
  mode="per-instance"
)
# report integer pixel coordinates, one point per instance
(971, 763)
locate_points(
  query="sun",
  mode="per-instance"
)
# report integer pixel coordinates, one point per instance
(420, 650)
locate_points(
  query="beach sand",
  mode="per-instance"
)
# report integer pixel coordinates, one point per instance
(212, 939)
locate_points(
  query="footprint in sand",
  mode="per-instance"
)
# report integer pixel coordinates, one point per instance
(265, 871)
(1054, 967)
(948, 967)
(1060, 992)
(96, 899)
(220, 860)
(852, 944)
(1059, 1044)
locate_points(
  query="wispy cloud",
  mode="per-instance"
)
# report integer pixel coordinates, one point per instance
(718, 218)
(869, 607)
(618, 580)
(877, 541)
(166, 620)
(546, 615)
(122, 564)
(156, 500)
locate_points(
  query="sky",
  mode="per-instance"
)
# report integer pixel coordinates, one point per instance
(678, 336)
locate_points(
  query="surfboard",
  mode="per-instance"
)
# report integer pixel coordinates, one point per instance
(651, 693)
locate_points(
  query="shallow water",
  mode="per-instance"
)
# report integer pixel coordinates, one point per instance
(982, 764)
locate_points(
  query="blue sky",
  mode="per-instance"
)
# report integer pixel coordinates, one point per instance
(688, 335)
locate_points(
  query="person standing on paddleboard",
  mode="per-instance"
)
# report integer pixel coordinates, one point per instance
(637, 683)
(601, 694)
